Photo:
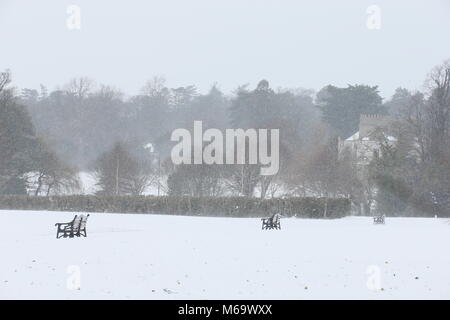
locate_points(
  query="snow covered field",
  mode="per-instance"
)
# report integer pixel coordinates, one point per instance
(166, 257)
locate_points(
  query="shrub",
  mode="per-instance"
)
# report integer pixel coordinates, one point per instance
(174, 205)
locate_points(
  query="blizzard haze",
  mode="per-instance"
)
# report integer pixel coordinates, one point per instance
(234, 149)
(291, 43)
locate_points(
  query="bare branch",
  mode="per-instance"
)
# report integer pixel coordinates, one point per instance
(5, 79)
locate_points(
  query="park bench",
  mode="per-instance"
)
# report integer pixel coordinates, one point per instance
(75, 228)
(379, 219)
(271, 223)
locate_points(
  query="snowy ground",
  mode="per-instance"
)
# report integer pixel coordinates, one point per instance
(166, 257)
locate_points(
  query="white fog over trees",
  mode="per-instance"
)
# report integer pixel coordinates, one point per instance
(50, 136)
(233, 149)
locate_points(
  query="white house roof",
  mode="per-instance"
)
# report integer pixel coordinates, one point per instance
(391, 138)
(353, 137)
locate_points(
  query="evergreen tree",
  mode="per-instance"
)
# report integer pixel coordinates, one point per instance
(342, 107)
(17, 143)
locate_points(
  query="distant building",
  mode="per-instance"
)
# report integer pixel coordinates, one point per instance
(364, 144)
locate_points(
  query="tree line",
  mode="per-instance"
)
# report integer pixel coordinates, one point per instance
(47, 137)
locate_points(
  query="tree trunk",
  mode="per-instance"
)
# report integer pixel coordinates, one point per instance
(117, 175)
(366, 208)
(38, 189)
(50, 186)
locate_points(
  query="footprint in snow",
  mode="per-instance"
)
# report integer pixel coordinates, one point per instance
(169, 291)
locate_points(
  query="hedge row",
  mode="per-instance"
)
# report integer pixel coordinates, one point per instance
(218, 207)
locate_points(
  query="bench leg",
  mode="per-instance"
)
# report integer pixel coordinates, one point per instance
(264, 225)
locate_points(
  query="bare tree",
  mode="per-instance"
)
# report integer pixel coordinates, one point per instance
(243, 179)
(156, 87)
(118, 172)
(196, 180)
(439, 107)
(50, 174)
(80, 87)
(5, 79)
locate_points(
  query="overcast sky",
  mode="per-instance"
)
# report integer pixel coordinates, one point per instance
(291, 43)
